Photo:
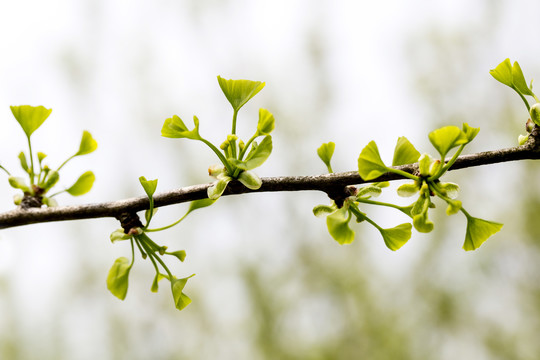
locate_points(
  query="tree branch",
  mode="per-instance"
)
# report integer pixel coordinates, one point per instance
(332, 184)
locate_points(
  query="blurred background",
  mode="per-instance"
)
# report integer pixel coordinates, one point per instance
(270, 283)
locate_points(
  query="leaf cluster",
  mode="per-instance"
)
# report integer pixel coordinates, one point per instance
(42, 178)
(511, 75)
(238, 158)
(426, 184)
(118, 277)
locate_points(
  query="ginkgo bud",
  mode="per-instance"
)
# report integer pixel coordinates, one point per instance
(535, 113)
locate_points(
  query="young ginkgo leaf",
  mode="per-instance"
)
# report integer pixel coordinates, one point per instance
(469, 132)
(119, 235)
(396, 237)
(18, 183)
(88, 144)
(22, 159)
(446, 138)
(30, 117)
(83, 184)
(453, 207)
(478, 231)
(250, 180)
(325, 152)
(199, 204)
(422, 223)
(180, 254)
(503, 73)
(408, 190)
(175, 128)
(368, 191)
(256, 157)
(154, 288)
(117, 279)
(424, 164)
(338, 226)
(266, 122)
(41, 156)
(519, 80)
(218, 187)
(239, 92)
(149, 186)
(323, 210)
(370, 165)
(181, 300)
(404, 152)
(52, 179)
(449, 189)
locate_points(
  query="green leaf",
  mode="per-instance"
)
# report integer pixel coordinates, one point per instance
(424, 164)
(83, 184)
(41, 156)
(405, 152)
(449, 189)
(18, 183)
(149, 186)
(368, 191)
(422, 223)
(157, 278)
(117, 280)
(199, 204)
(256, 157)
(325, 152)
(49, 202)
(30, 117)
(88, 144)
(446, 138)
(266, 122)
(370, 165)
(503, 73)
(181, 300)
(519, 80)
(215, 191)
(453, 207)
(408, 190)
(175, 128)
(250, 180)
(323, 210)
(338, 226)
(239, 92)
(469, 132)
(52, 179)
(396, 237)
(22, 159)
(119, 235)
(478, 231)
(180, 254)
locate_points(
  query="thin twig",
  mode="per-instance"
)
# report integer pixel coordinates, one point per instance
(329, 183)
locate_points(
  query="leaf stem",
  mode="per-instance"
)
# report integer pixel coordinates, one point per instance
(3, 168)
(243, 152)
(447, 166)
(219, 155)
(235, 115)
(65, 162)
(168, 226)
(402, 173)
(31, 161)
(524, 100)
(374, 202)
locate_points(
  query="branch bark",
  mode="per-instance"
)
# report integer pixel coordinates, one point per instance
(331, 184)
